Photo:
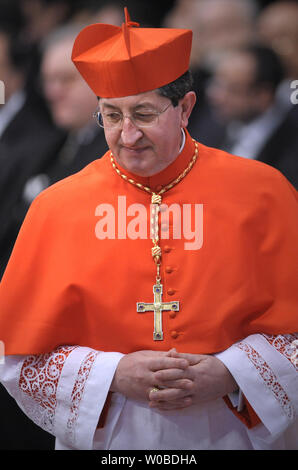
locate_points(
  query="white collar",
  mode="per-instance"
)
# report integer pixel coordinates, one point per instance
(183, 141)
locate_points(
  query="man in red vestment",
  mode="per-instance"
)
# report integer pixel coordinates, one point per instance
(156, 287)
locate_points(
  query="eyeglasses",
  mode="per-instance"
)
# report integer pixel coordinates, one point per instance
(114, 119)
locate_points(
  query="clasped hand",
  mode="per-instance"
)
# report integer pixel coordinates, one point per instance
(182, 379)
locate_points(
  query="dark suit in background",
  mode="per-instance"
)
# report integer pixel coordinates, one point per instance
(27, 145)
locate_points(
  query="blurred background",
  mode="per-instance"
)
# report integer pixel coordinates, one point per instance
(245, 67)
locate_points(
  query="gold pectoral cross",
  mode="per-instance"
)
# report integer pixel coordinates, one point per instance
(157, 307)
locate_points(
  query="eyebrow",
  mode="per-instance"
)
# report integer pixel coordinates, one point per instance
(138, 106)
(110, 106)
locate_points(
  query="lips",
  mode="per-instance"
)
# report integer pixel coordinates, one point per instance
(134, 149)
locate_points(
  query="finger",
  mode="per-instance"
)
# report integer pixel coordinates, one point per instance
(169, 394)
(183, 384)
(161, 363)
(174, 405)
(167, 375)
(191, 358)
(172, 352)
(149, 352)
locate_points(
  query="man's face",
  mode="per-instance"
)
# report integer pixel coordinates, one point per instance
(71, 101)
(11, 78)
(278, 28)
(146, 151)
(232, 91)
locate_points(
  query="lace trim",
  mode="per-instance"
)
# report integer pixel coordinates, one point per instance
(285, 344)
(294, 356)
(78, 391)
(270, 379)
(39, 380)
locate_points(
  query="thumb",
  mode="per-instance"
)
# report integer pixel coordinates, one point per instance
(192, 358)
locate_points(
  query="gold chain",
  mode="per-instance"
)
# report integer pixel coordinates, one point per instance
(165, 188)
(156, 201)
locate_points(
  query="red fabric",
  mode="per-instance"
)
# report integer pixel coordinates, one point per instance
(116, 61)
(65, 286)
(248, 416)
(105, 411)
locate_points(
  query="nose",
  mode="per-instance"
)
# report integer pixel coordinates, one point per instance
(130, 133)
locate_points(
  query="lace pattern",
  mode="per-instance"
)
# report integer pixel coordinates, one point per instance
(39, 380)
(270, 379)
(78, 390)
(284, 345)
(294, 356)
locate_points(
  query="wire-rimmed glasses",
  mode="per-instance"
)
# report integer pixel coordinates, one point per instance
(114, 119)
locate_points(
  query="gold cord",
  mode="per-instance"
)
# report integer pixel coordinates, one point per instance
(165, 188)
(156, 200)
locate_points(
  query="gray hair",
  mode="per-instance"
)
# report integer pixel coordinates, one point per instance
(247, 9)
(69, 31)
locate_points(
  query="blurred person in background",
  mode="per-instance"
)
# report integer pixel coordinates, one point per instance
(44, 16)
(28, 138)
(25, 114)
(221, 26)
(278, 28)
(148, 13)
(218, 26)
(72, 105)
(184, 14)
(40, 18)
(243, 95)
(94, 11)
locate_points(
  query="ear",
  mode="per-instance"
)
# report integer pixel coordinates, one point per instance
(187, 103)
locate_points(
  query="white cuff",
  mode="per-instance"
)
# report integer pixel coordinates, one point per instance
(267, 379)
(81, 428)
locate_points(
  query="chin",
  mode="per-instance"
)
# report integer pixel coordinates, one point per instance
(62, 121)
(135, 164)
(137, 169)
